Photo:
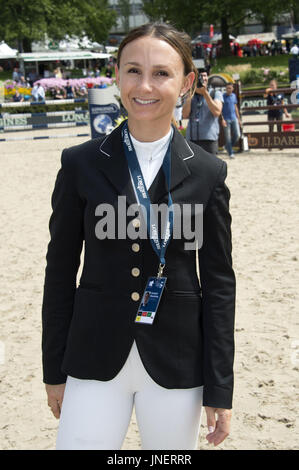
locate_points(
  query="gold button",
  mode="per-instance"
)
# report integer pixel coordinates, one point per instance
(135, 272)
(135, 247)
(136, 223)
(135, 296)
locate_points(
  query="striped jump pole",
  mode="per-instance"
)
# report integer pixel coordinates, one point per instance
(43, 137)
(48, 113)
(38, 103)
(44, 126)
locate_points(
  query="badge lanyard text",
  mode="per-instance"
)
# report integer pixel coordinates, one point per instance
(158, 245)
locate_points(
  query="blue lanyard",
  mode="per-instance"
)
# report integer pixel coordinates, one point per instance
(158, 245)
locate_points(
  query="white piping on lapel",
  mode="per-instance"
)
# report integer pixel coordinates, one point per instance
(192, 153)
(108, 155)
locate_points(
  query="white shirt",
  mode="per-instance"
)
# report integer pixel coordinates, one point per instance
(150, 156)
(38, 92)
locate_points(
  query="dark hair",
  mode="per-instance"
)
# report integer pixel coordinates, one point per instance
(179, 40)
(203, 70)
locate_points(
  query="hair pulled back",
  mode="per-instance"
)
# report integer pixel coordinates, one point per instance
(180, 41)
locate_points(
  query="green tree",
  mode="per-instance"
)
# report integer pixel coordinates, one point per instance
(190, 16)
(294, 9)
(125, 10)
(187, 17)
(25, 21)
(227, 15)
(269, 12)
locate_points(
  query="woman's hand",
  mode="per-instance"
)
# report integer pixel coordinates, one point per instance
(218, 430)
(55, 398)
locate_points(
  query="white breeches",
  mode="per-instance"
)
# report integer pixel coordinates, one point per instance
(96, 414)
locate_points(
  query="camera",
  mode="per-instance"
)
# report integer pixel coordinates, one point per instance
(199, 82)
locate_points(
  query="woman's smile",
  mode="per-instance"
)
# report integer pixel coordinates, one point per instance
(151, 78)
(145, 102)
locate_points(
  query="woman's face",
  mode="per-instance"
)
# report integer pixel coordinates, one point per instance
(151, 78)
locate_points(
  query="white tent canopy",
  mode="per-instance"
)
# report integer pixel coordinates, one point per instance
(7, 52)
(265, 37)
(218, 37)
(67, 44)
(294, 34)
(59, 55)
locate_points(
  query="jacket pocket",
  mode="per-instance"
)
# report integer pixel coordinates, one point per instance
(185, 294)
(90, 286)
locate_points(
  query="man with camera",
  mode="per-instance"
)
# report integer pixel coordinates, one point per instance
(203, 111)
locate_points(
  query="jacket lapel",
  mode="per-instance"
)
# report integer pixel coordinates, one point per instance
(180, 151)
(114, 165)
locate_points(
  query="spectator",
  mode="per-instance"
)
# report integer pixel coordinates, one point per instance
(83, 91)
(22, 82)
(214, 55)
(17, 97)
(38, 92)
(57, 73)
(57, 93)
(230, 119)
(32, 77)
(275, 98)
(108, 71)
(16, 74)
(295, 49)
(203, 111)
(90, 73)
(69, 91)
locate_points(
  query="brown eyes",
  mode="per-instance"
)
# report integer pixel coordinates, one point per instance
(159, 73)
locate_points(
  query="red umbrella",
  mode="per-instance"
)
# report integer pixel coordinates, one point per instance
(254, 41)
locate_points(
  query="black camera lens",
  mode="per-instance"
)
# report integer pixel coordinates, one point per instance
(199, 83)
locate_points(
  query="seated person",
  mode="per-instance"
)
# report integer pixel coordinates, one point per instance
(38, 92)
(58, 95)
(82, 91)
(17, 97)
(69, 91)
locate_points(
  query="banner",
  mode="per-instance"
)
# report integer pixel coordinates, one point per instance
(249, 102)
(273, 140)
(9, 121)
(103, 110)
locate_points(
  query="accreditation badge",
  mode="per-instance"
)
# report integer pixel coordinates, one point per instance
(150, 300)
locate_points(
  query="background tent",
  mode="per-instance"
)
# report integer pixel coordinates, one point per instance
(7, 52)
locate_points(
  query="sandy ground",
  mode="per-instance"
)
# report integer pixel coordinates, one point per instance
(264, 206)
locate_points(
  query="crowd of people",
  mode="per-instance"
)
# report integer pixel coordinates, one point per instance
(206, 111)
(31, 89)
(210, 52)
(209, 110)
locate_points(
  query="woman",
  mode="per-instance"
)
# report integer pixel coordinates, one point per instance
(275, 98)
(100, 358)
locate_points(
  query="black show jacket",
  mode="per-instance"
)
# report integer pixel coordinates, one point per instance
(88, 329)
